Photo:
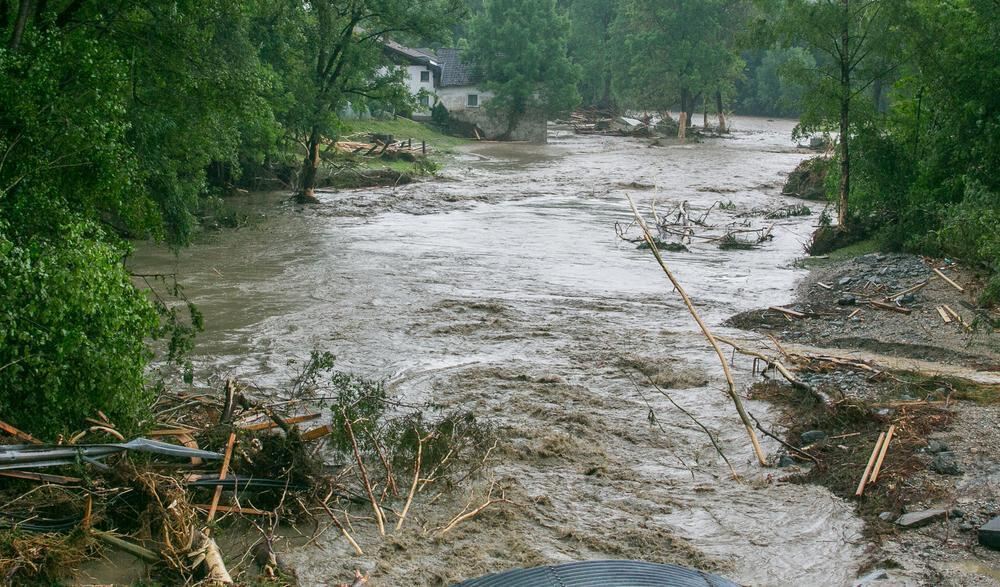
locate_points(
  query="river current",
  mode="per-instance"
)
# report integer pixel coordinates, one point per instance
(503, 288)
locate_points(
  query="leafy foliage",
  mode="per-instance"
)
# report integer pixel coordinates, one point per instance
(519, 49)
(72, 333)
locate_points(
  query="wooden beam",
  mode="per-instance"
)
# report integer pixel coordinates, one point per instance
(950, 282)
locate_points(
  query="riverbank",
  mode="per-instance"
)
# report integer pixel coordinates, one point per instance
(906, 347)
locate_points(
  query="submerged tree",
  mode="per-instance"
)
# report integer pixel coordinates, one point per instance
(675, 51)
(519, 49)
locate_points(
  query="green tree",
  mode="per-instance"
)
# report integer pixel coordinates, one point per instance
(110, 113)
(856, 43)
(676, 51)
(590, 48)
(331, 55)
(519, 49)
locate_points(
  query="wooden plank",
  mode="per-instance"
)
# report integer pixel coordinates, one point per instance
(222, 476)
(271, 424)
(317, 433)
(232, 509)
(950, 282)
(788, 312)
(890, 307)
(42, 477)
(944, 315)
(824, 286)
(871, 463)
(881, 454)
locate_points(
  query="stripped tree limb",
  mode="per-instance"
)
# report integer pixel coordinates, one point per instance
(731, 385)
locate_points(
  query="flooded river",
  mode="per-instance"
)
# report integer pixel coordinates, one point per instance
(504, 289)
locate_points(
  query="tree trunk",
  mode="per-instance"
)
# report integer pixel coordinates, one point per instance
(718, 110)
(682, 117)
(690, 109)
(845, 111)
(310, 168)
(23, 10)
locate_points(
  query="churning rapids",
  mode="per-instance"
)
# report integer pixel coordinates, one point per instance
(503, 288)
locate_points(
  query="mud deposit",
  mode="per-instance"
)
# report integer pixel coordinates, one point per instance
(503, 289)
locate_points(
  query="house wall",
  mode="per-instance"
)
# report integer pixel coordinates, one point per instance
(414, 85)
(456, 98)
(532, 128)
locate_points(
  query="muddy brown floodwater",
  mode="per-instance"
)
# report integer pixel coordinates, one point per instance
(503, 289)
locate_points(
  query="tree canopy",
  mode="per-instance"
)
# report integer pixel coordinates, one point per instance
(519, 49)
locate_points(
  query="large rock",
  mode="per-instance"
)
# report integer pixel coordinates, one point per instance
(918, 519)
(989, 534)
(945, 463)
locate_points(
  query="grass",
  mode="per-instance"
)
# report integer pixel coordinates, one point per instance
(402, 129)
(849, 252)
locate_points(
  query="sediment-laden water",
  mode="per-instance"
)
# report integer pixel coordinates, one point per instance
(503, 289)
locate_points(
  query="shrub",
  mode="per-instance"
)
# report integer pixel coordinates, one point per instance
(72, 332)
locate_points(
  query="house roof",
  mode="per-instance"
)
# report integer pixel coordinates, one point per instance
(415, 56)
(454, 72)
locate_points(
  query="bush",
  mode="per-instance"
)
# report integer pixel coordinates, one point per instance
(971, 231)
(72, 331)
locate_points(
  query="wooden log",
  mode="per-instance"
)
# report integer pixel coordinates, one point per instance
(890, 307)
(871, 463)
(215, 566)
(787, 312)
(881, 454)
(948, 280)
(908, 290)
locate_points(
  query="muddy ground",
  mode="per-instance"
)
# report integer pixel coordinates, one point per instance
(955, 466)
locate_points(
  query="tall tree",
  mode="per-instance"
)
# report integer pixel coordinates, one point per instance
(519, 49)
(856, 42)
(590, 48)
(675, 51)
(331, 53)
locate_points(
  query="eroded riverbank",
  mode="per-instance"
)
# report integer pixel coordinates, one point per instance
(504, 289)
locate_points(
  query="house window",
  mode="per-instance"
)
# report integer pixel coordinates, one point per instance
(425, 76)
(473, 101)
(425, 100)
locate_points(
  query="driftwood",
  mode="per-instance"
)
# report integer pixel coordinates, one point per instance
(731, 385)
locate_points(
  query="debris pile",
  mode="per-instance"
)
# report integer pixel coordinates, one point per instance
(683, 225)
(235, 460)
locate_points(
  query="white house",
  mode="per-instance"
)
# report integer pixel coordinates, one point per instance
(441, 77)
(438, 76)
